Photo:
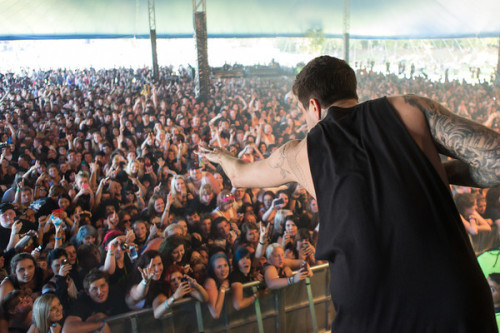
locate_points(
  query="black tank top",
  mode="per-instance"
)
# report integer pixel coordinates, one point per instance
(400, 258)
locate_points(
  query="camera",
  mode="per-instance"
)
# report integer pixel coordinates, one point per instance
(183, 279)
(64, 262)
(124, 246)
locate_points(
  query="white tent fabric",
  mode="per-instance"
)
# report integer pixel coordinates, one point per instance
(55, 19)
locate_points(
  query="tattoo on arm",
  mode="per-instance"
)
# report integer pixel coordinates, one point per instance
(463, 139)
(278, 161)
(287, 161)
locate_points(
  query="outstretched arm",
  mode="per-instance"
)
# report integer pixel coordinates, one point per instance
(476, 148)
(287, 164)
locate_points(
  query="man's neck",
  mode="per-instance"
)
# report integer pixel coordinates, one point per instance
(345, 103)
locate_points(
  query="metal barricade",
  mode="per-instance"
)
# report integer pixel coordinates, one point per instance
(302, 307)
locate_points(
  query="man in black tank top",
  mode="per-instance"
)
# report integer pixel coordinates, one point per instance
(399, 255)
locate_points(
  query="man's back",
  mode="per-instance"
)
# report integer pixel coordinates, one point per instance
(400, 258)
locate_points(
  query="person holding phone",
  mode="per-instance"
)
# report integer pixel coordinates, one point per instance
(277, 272)
(181, 285)
(61, 282)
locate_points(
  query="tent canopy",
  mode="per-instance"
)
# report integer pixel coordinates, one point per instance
(55, 19)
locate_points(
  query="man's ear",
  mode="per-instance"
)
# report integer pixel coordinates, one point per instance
(313, 102)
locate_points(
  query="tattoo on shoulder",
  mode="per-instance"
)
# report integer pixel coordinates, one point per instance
(462, 139)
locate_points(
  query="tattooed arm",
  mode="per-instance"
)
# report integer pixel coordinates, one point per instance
(287, 164)
(476, 148)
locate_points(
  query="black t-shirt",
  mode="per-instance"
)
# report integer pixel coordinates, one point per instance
(4, 237)
(85, 307)
(238, 276)
(197, 206)
(5, 233)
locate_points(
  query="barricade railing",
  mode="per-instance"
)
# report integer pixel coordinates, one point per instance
(302, 307)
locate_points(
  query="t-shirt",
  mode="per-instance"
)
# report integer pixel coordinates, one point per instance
(4, 237)
(85, 307)
(238, 276)
(400, 258)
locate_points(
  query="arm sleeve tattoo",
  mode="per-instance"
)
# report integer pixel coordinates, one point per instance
(463, 139)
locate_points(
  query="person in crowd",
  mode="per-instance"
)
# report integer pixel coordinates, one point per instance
(222, 233)
(225, 206)
(48, 315)
(181, 285)
(148, 281)
(253, 238)
(61, 283)
(173, 249)
(24, 276)
(153, 213)
(205, 201)
(181, 197)
(243, 272)
(277, 274)
(473, 221)
(99, 301)
(217, 283)
(17, 307)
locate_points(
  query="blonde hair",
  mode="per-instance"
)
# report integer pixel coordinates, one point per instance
(270, 249)
(140, 170)
(174, 181)
(41, 312)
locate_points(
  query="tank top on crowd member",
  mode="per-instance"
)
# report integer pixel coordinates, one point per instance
(400, 258)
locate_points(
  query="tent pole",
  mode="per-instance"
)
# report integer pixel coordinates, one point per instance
(200, 36)
(347, 7)
(152, 36)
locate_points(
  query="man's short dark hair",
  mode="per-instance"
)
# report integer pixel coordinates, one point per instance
(56, 254)
(94, 275)
(326, 79)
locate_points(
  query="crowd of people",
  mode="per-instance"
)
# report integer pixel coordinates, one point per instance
(107, 208)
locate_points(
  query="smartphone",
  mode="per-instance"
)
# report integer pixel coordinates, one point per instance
(133, 253)
(64, 262)
(279, 201)
(85, 186)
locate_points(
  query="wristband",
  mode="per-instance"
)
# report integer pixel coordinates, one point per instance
(261, 243)
(166, 303)
(58, 238)
(145, 283)
(102, 324)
